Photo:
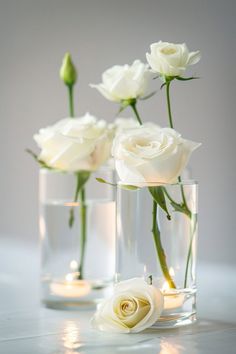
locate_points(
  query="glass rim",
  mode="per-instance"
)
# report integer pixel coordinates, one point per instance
(187, 182)
(55, 171)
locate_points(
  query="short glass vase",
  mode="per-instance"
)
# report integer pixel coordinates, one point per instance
(77, 239)
(157, 239)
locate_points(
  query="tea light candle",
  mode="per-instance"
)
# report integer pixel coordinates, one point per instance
(172, 298)
(71, 286)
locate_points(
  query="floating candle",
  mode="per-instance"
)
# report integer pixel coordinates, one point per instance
(173, 299)
(71, 286)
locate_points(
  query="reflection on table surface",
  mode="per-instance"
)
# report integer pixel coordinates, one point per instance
(26, 327)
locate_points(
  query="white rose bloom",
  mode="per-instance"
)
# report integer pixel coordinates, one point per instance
(122, 124)
(125, 82)
(151, 154)
(75, 144)
(133, 307)
(171, 59)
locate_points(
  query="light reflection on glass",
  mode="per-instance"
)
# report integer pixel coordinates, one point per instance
(71, 337)
(42, 228)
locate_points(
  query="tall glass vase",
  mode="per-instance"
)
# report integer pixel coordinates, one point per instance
(157, 240)
(77, 239)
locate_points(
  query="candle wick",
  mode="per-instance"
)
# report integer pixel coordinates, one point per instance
(150, 280)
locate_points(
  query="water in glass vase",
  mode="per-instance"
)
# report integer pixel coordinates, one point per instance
(77, 266)
(161, 247)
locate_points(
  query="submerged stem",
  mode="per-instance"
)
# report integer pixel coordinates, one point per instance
(193, 229)
(184, 205)
(83, 230)
(155, 229)
(159, 248)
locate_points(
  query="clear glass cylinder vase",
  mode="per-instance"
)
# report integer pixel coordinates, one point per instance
(77, 239)
(157, 240)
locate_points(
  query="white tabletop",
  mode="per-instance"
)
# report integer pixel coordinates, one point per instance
(27, 327)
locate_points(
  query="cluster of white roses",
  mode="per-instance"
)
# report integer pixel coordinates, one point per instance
(145, 153)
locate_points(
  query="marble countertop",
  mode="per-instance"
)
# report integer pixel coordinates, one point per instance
(27, 327)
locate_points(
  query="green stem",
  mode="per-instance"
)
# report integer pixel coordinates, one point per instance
(83, 212)
(71, 100)
(155, 230)
(168, 103)
(183, 208)
(172, 126)
(159, 248)
(133, 105)
(184, 205)
(71, 213)
(182, 192)
(193, 229)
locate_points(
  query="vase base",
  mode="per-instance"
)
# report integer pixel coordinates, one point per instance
(74, 295)
(70, 305)
(178, 320)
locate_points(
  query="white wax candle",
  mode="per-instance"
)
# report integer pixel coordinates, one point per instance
(70, 287)
(172, 300)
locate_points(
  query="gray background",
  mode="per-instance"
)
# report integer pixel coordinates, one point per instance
(33, 38)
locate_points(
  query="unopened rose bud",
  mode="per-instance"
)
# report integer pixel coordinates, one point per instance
(68, 72)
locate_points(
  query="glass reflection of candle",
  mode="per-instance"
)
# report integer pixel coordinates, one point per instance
(172, 298)
(170, 348)
(71, 286)
(71, 336)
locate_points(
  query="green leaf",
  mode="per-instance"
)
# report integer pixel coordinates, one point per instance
(121, 109)
(101, 180)
(159, 196)
(123, 186)
(124, 104)
(148, 96)
(128, 187)
(82, 178)
(40, 162)
(180, 208)
(186, 78)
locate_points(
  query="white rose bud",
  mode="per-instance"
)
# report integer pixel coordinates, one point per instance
(78, 144)
(151, 154)
(125, 82)
(170, 59)
(68, 72)
(133, 307)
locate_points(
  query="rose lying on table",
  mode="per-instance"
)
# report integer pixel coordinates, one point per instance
(133, 307)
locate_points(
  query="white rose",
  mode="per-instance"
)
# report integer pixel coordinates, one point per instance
(151, 154)
(122, 124)
(75, 144)
(171, 59)
(125, 82)
(133, 307)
